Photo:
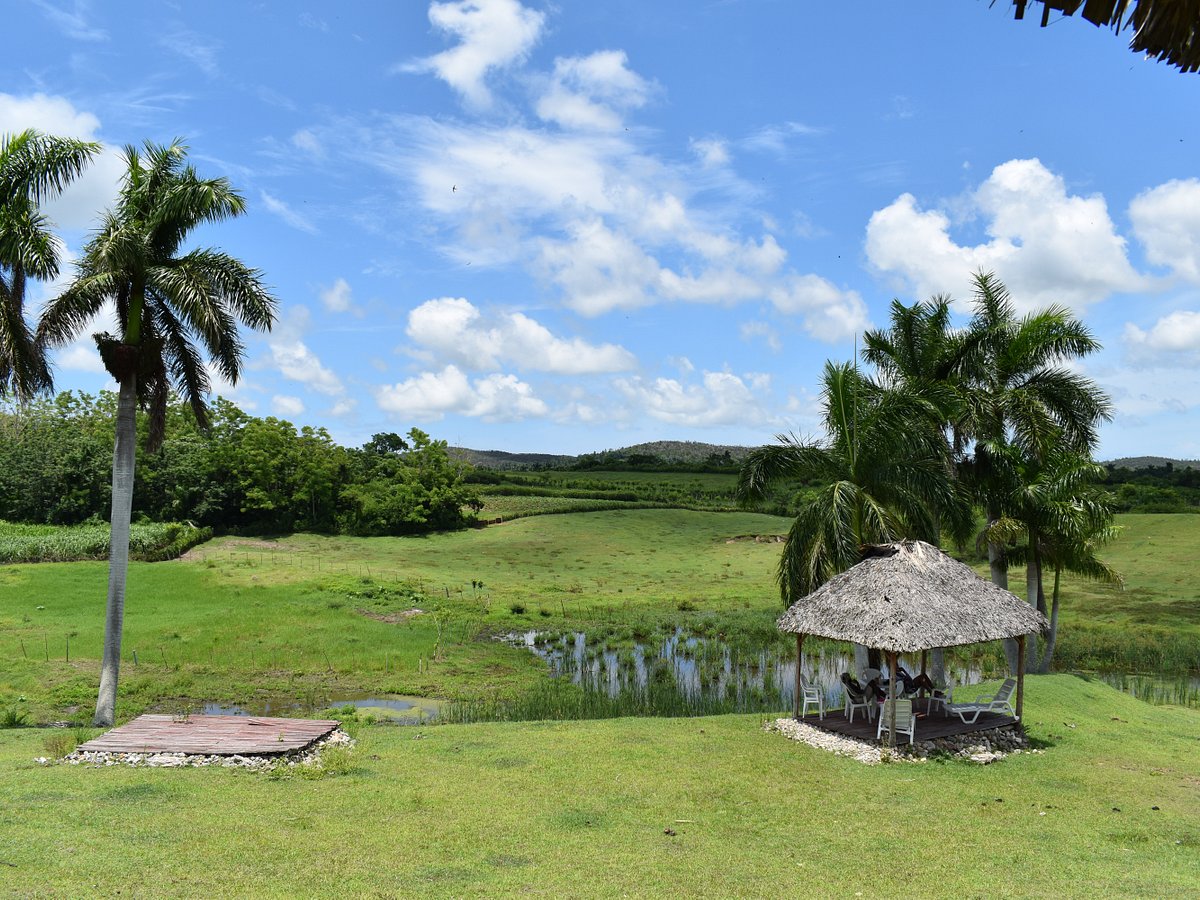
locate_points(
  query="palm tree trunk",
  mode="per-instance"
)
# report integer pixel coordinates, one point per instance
(1033, 587)
(1052, 634)
(124, 448)
(998, 565)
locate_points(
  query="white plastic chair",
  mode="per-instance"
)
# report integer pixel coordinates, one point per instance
(997, 702)
(811, 694)
(864, 702)
(906, 722)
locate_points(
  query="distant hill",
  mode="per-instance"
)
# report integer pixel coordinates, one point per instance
(685, 451)
(500, 459)
(1146, 462)
(668, 451)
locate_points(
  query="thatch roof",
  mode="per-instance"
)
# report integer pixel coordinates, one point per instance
(1162, 29)
(911, 596)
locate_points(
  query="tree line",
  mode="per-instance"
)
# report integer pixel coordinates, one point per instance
(241, 474)
(939, 424)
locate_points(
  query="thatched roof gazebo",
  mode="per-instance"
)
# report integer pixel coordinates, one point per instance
(908, 597)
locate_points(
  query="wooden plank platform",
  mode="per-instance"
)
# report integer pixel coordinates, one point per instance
(212, 735)
(930, 725)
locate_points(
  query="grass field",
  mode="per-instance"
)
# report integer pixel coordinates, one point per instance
(239, 620)
(1110, 809)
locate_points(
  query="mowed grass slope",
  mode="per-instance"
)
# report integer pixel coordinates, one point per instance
(582, 809)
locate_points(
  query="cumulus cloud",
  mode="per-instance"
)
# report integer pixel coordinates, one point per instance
(96, 188)
(295, 361)
(284, 405)
(454, 329)
(1166, 220)
(492, 34)
(590, 92)
(711, 152)
(721, 398)
(1172, 340)
(430, 396)
(337, 297)
(1047, 245)
(827, 312)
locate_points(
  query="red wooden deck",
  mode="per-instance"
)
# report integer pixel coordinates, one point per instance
(212, 735)
(930, 725)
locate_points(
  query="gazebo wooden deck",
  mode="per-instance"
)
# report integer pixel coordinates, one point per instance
(212, 735)
(930, 725)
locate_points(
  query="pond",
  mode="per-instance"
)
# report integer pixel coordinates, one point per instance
(705, 668)
(394, 709)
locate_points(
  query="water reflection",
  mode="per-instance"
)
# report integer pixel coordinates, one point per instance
(399, 710)
(702, 667)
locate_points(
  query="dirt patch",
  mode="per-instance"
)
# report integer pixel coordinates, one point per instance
(393, 617)
(757, 539)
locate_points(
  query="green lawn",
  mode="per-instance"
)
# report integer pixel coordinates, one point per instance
(580, 809)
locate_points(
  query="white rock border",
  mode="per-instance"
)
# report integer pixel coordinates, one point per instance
(306, 756)
(973, 748)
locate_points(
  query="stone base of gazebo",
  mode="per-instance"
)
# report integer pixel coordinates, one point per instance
(931, 725)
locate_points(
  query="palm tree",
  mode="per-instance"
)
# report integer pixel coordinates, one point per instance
(1064, 517)
(883, 465)
(1020, 394)
(167, 301)
(33, 167)
(921, 355)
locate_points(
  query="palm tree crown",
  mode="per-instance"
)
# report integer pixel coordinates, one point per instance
(33, 166)
(883, 464)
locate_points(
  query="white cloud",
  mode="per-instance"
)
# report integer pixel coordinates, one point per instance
(285, 405)
(777, 138)
(761, 330)
(73, 22)
(492, 34)
(827, 312)
(455, 330)
(194, 48)
(295, 360)
(1046, 245)
(1166, 219)
(343, 407)
(588, 92)
(721, 398)
(337, 297)
(1173, 340)
(305, 140)
(431, 395)
(711, 152)
(279, 208)
(96, 188)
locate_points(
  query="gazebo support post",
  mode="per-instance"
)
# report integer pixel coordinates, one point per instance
(892, 699)
(799, 658)
(1020, 675)
(924, 659)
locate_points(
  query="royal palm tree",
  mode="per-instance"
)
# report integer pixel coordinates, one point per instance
(33, 167)
(1064, 518)
(167, 302)
(922, 355)
(1020, 394)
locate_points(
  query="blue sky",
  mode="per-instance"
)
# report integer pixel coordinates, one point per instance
(572, 226)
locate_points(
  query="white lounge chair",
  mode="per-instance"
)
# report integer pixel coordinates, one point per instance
(811, 694)
(906, 722)
(997, 702)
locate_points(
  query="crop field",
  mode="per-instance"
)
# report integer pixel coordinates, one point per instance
(49, 543)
